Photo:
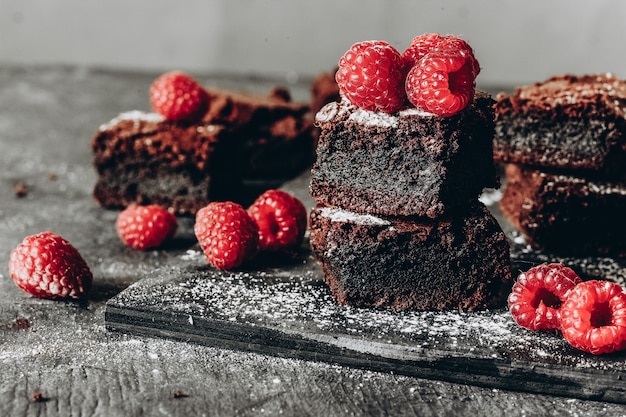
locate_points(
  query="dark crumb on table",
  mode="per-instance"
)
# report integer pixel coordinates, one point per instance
(179, 394)
(39, 398)
(21, 189)
(20, 323)
(53, 177)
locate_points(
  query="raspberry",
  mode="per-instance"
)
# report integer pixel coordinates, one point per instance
(442, 84)
(227, 234)
(281, 219)
(46, 265)
(433, 42)
(537, 296)
(371, 75)
(593, 318)
(177, 96)
(420, 46)
(145, 227)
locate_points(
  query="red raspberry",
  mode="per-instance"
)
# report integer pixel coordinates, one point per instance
(537, 296)
(433, 42)
(145, 227)
(593, 318)
(47, 266)
(227, 234)
(371, 75)
(441, 83)
(177, 96)
(281, 219)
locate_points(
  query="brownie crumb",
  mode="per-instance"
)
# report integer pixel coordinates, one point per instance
(39, 398)
(179, 394)
(20, 323)
(21, 189)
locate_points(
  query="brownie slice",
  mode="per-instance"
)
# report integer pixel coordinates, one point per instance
(564, 214)
(408, 163)
(143, 158)
(275, 133)
(566, 123)
(458, 262)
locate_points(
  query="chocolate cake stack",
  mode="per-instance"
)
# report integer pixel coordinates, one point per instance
(398, 222)
(564, 145)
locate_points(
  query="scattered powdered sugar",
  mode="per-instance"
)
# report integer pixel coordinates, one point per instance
(414, 111)
(328, 112)
(134, 115)
(491, 197)
(372, 118)
(297, 306)
(345, 216)
(366, 117)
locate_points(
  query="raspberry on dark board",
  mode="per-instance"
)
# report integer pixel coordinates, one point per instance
(538, 294)
(593, 318)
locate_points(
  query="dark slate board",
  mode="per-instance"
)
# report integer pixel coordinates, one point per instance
(283, 308)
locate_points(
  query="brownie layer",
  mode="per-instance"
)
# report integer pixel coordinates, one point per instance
(567, 123)
(142, 158)
(409, 163)
(275, 134)
(564, 214)
(403, 263)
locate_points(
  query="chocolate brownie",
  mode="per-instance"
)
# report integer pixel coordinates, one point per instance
(408, 163)
(143, 158)
(565, 123)
(565, 214)
(458, 262)
(275, 133)
(256, 140)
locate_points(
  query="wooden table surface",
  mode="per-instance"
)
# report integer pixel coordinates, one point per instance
(58, 359)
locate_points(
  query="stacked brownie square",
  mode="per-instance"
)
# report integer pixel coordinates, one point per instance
(398, 222)
(564, 145)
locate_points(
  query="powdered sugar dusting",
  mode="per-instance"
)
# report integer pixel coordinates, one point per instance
(345, 216)
(365, 117)
(297, 304)
(134, 115)
(371, 118)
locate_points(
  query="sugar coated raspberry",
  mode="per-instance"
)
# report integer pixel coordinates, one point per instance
(145, 227)
(371, 75)
(46, 265)
(177, 96)
(281, 219)
(441, 83)
(227, 234)
(593, 318)
(538, 294)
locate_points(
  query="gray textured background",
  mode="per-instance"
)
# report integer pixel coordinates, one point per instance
(515, 41)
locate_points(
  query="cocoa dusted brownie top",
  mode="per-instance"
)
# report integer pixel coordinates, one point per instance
(243, 109)
(567, 122)
(599, 95)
